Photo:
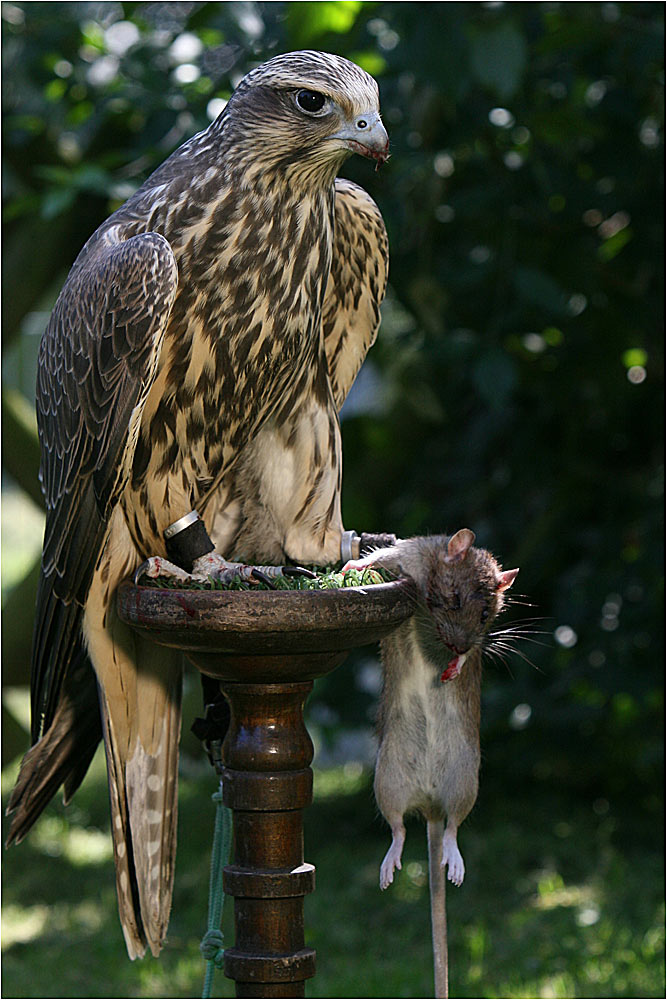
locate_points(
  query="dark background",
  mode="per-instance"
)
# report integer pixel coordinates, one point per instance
(517, 384)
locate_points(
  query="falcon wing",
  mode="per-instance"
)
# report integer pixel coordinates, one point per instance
(97, 360)
(356, 287)
(65, 751)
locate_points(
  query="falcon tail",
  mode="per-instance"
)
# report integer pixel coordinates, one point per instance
(140, 695)
(140, 721)
(143, 792)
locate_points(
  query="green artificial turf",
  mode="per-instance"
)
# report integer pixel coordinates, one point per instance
(329, 578)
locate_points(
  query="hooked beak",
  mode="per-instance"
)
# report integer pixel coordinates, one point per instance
(366, 135)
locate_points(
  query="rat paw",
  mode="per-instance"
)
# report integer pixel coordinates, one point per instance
(387, 873)
(359, 564)
(391, 861)
(452, 860)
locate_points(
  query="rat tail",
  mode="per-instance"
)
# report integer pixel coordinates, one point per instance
(436, 878)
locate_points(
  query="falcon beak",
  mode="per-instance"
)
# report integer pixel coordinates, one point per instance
(367, 135)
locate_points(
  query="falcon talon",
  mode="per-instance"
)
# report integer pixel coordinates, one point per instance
(148, 569)
(257, 574)
(298, 571)
(157, 566)
(214, 565)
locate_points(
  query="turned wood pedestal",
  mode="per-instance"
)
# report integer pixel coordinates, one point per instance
(265, 648)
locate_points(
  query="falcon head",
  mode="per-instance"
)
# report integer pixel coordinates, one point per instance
(309, 109)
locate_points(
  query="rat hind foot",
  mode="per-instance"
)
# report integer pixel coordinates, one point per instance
(392, 858)
(451, 858)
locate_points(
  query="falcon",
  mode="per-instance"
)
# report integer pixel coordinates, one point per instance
(195, 361)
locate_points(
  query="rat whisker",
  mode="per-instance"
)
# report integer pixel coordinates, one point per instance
(517, 628)
(520, 629)
(517, 599)
(497, 655)
(517, 635)
(527, 621)
(512, 635)
(526, 638)
(511, 649)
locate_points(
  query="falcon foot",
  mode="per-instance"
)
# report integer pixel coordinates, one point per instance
(216, 567)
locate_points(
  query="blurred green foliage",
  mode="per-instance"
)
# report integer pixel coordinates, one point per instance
(517, 383)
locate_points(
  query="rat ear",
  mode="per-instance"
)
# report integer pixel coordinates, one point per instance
(506, 579)
(458, 545)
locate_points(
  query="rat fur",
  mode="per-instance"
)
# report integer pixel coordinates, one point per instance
(429, 717)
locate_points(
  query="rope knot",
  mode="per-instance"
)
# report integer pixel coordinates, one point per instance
(212, 948)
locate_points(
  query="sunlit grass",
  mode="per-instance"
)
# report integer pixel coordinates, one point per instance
(547, 909)
(25, 924)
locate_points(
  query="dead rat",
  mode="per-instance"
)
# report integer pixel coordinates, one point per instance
(428, 726)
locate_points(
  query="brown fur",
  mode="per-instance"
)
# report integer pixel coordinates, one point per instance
(428, 755)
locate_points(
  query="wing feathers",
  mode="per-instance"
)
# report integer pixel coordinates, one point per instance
(98, 358)
(62, 756)
(98, 355)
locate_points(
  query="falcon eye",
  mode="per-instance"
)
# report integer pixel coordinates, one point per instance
(310, 101)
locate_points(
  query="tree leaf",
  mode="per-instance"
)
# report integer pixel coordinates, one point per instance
(495, 377)
(311, 20)
(539, 289)
(499, 58)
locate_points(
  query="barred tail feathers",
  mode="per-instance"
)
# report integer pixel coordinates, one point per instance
(140, 685)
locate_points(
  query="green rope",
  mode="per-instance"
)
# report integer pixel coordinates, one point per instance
(211, 945)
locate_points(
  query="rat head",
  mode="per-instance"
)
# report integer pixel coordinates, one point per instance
(463, 590)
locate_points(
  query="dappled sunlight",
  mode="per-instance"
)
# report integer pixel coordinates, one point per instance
(562, 931)
(17, 701)
(21, 535)
(56, 837)
(21, 925)
(10, 773)
(413, 885)
(552, 892)
(347, 779)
